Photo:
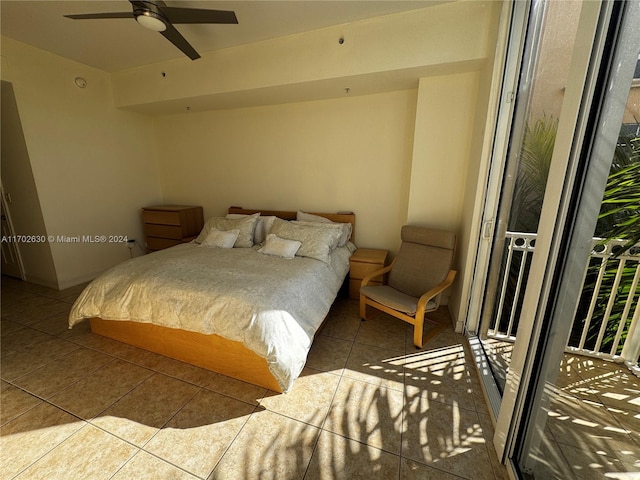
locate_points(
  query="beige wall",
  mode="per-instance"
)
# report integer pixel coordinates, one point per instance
(444, 130)
(352, 153)
(441, 150)
(94, 166)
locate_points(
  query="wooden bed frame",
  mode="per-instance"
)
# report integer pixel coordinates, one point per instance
(212, 352)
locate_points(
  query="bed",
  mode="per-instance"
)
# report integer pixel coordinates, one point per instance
(244, 311)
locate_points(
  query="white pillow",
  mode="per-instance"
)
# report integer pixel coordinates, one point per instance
(246, 226)
(316, 242)
(280, 247)
(220, 238)
(310, 217)
(263, 225)
(267, 222)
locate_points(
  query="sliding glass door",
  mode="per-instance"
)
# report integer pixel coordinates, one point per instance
(548, 49)
(573, 416)
(540, 222)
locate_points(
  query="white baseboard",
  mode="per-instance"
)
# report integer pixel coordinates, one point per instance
(41, 281)
(78, 280)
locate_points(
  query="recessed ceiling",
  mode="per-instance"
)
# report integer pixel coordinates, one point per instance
(119, 44)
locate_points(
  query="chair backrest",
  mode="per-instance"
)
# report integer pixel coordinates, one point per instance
(424, 259)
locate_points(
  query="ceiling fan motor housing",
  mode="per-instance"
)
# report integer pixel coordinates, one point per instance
(150, 16)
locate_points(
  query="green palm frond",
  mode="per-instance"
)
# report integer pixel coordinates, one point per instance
(621, 204)
(533, 170)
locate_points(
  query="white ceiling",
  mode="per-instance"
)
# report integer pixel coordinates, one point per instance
(118, 44)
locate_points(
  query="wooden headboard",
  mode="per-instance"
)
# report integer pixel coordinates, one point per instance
(345, 217)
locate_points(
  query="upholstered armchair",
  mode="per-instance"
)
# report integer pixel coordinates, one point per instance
(415, 278)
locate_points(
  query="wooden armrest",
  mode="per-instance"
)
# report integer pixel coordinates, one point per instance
(435, 291)
(381, 271)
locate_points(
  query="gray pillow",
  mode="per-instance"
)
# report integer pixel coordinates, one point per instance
(246, 227)
(316, 242)
(220, 238)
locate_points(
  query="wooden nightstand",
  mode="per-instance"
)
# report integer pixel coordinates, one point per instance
(363, 262)
(169, 225)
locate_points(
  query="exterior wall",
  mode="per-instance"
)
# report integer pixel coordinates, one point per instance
(632, 111)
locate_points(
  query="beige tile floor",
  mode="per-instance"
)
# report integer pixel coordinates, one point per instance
(593, 424)
(592, 429)
(367, 405)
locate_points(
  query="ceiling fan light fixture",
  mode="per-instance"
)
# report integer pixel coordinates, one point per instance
(151, 21)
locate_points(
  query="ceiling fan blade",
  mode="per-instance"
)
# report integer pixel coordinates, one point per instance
(197, 15)
(91, 16)
(175, 37)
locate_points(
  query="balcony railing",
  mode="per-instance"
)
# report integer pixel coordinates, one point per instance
(606, 322)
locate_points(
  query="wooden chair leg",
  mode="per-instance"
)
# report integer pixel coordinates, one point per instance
(363, 308)
(417, 332)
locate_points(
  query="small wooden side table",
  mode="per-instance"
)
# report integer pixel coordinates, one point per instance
(363, 262)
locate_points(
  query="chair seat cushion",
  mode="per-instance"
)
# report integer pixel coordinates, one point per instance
(392, 298)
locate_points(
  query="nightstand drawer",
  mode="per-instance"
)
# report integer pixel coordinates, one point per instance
(363, 262)
(361, 270)
(165, 231)
(161, 217)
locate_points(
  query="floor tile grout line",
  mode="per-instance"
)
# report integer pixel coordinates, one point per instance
(324, 421)
(128, 393)
(403, 421)
(142, 448)
(478, 413)
(85, 423)
(342, 376)
(11, 380)
(104, 409)
(118, 357)
(321, 428)
(57, 359)
(15, 317)
(114, 359)
(235, 437)
(402, 454)
(42, 400)
(124, 464)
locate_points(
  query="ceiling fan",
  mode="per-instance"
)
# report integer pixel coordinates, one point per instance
(159, 17)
